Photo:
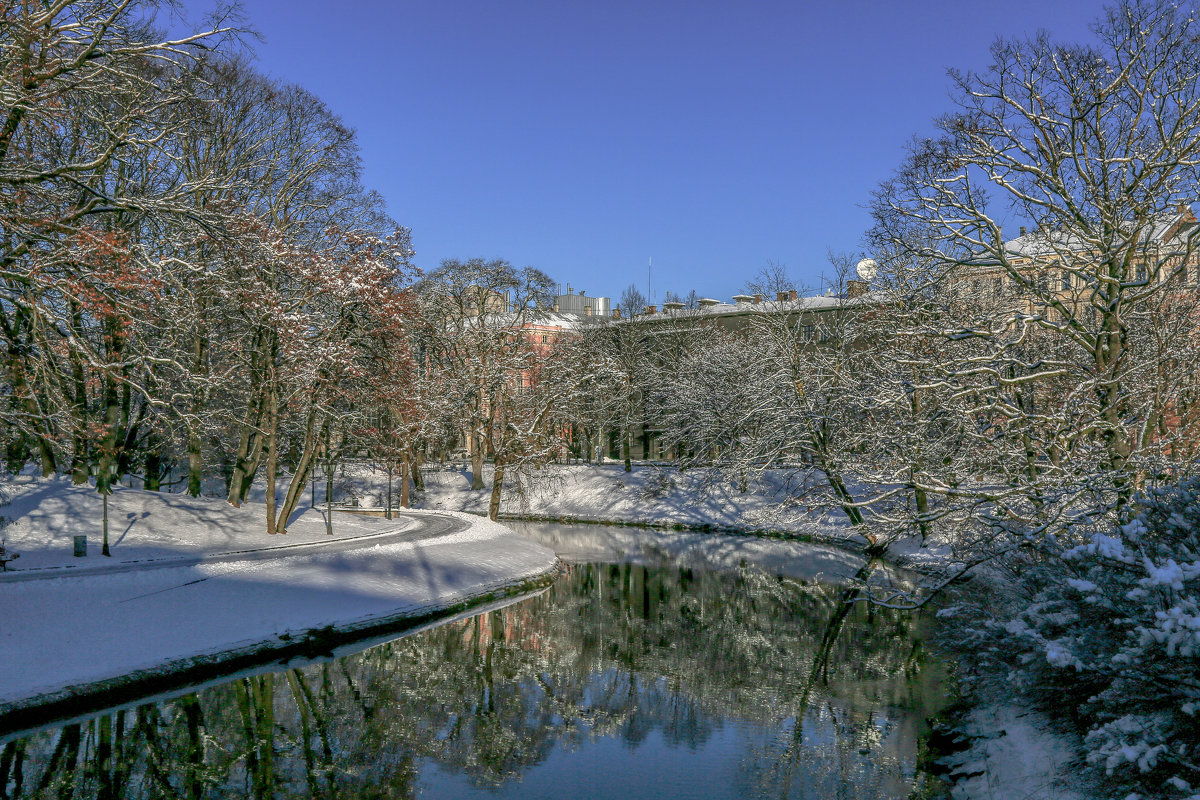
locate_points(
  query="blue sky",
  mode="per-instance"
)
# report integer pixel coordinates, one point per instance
(585, 138)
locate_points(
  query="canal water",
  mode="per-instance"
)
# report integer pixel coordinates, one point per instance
(657, 665)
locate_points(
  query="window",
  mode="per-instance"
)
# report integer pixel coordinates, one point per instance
(545, 338)
(1066, 281)
(809, 333)
(1141, 273)
(998, 288)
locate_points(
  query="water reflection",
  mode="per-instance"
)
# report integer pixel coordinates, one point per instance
(622, 680)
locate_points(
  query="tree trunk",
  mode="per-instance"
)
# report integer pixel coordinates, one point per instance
(329, 497)
(476, 462)
(497, 487)
(418, 477)
(195, 463)
(22, 390)
(249, 452)
(79, 405)
(303, 467)
(250, 443)
(404, 484)
(1109, 354)
(104, 526)
(388, 513)
(916, 466)
(272, 455)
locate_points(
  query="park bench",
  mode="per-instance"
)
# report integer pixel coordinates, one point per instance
(6, 556)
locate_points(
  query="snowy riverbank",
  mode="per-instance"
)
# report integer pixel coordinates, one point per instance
(195, 586)
(649, 495)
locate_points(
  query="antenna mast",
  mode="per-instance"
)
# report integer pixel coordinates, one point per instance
(649, 284)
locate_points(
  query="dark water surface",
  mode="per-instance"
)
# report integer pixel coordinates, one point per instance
(658, 665)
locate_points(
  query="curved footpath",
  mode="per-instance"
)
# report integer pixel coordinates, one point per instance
(76, 638)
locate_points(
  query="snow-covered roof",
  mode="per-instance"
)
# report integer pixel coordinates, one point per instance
(801, 304)
(1167, 229)
(541, 319)
(558, 319)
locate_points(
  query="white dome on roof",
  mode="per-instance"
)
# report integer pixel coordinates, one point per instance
(867, 269)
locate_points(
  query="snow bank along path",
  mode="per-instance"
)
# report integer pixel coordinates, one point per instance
(184, 609)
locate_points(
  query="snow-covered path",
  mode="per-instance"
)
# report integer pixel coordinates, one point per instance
(188, 605)
(405, 528)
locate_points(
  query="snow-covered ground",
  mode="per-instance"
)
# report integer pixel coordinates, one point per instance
(190, 584)
(648, 495)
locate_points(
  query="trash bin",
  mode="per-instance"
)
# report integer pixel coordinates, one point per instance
(80, 546)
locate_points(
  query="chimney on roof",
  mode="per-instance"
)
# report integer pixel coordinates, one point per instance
(556, 308)
(791, 294)
(1022, 230)
(739, 299)
(616, 313)
(651, 309)
(587, 311)
(781, 297)
(757, 298)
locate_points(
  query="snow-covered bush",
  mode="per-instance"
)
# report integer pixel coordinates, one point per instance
(659, 483)
(1112, 638)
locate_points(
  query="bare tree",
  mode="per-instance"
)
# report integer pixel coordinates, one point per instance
(772, 279)
(632, 301)
(1051, 348)
(475, 338)
(89, 98)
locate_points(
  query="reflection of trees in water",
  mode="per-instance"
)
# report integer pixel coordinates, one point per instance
(609, 650)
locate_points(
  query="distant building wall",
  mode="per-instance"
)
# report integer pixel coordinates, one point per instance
(571, 303)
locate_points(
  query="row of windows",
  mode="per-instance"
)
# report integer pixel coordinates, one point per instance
(1063, 281)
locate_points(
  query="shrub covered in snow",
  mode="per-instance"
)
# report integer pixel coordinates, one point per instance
(1112, 637)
